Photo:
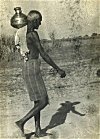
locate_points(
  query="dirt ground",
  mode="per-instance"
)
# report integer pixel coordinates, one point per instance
(73, 112)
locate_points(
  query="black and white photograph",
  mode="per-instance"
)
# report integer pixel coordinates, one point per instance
(49, 69)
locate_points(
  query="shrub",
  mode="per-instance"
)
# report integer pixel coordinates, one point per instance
(6, 46)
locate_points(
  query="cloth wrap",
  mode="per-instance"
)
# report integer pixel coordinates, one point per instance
(33, 79)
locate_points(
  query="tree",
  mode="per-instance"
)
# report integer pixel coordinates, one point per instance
(52, 37)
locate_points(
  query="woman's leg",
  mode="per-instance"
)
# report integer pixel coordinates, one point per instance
(33, 112)
(37, 120)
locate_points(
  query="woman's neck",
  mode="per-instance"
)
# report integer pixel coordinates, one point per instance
(30, 30)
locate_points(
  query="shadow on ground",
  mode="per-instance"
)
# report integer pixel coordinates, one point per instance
(59, 117)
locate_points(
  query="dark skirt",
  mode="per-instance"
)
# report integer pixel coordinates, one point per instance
(33, 80)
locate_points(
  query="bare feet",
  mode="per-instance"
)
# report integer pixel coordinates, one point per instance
(39, 133)
(21, 126)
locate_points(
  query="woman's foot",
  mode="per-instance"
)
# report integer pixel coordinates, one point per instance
(20, 125)
(39, 133)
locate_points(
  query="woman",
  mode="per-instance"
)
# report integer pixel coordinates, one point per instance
(32, 75)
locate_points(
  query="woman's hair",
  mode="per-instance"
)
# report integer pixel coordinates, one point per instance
(33, 15)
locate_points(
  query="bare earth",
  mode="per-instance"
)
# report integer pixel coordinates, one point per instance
(70, 98)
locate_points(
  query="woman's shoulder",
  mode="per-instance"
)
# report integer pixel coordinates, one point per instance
(33, 35)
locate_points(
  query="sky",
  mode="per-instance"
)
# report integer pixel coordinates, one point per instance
(66, 18)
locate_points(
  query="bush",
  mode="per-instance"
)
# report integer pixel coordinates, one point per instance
(6, 46)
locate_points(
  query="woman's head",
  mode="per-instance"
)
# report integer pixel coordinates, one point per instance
(34, 19)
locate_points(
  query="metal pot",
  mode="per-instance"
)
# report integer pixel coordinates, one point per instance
(19, 19)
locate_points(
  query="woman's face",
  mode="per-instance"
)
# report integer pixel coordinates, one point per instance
(37, 23)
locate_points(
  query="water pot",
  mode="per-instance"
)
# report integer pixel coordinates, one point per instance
(19, 19)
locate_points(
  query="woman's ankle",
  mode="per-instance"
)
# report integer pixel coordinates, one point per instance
(38, 129)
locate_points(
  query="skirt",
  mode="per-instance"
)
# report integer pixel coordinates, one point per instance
(33, 80)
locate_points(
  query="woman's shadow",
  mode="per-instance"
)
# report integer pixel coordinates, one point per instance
(60, 116)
